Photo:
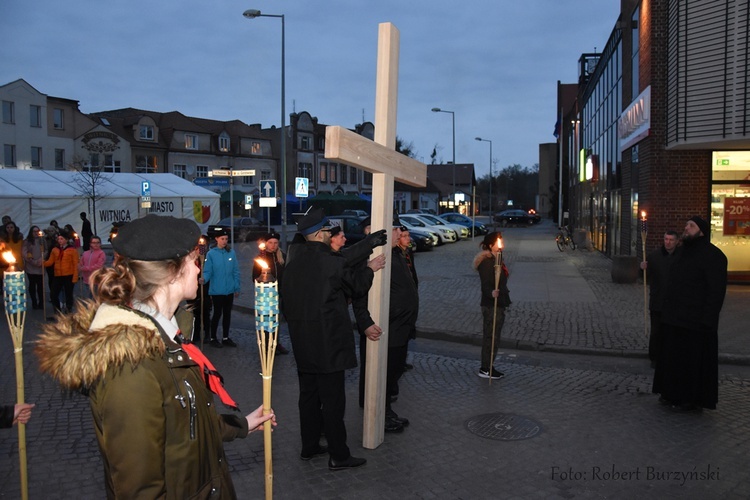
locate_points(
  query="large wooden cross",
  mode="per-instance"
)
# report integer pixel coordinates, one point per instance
(386, 165)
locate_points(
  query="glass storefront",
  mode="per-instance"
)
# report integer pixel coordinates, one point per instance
(730, 208)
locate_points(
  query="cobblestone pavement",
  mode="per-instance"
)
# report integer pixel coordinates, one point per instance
(590, 426)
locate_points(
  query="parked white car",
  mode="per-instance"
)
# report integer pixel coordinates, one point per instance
(461, 231)
(436, 240)
(447, 235)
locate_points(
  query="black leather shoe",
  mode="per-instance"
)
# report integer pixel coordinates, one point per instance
(216, 343)
(392, 415)
(349, 463)
(321, 450)
(392, 426)
(228, 343)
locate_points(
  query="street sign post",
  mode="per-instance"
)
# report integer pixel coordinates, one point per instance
(229, 172)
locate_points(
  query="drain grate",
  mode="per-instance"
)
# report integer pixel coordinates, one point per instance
(503, 426)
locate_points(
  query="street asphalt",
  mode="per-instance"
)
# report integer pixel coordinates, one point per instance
(574, 416)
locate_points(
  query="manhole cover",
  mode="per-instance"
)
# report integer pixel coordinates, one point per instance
(503, 426)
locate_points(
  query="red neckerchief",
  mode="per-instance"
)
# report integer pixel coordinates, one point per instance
(212, 378)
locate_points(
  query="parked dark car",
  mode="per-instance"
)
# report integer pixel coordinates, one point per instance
(456, 218)
(513, 218)
(535, 217)
(352, 226)
(421, 241)
(245, 228)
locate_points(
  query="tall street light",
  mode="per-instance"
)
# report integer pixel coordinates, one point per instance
(252, 14)
(487, 140)
(453, 119)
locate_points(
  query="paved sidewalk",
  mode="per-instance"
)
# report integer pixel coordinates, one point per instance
(557, 426)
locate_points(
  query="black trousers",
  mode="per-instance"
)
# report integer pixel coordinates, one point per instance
(35, 290)
(62, 284)
(201, 307)
(394, 370)
(222, 305)
(322, 404)
(655, 338)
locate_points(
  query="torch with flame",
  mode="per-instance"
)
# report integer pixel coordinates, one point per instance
(498, 271)
(14, 287)
(267, 330)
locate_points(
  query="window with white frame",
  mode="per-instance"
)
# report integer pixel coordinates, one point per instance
(146, 133)
(94, 160)
(35, 116)
(9, 112)
(9, 155)
(58, 118)
(191, 141)
(255, 148)
(109, 162)
(59, 159)
(224, 143)
(180, 170)
(305, 142)
(265, 174)
(201, 170)
(305, 170)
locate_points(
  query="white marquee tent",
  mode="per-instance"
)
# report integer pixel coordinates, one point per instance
(35, 197)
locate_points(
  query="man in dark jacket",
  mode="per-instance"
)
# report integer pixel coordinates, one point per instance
(687, 369)
(658, 263)
(402, 319)
(315, 287)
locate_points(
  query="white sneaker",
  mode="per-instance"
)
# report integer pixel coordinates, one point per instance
(486, 374)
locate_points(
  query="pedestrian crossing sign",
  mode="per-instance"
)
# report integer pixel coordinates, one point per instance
(301, 187)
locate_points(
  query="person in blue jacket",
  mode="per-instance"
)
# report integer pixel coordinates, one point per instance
(222, 273)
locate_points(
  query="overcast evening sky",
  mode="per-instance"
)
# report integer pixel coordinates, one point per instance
(495, 63)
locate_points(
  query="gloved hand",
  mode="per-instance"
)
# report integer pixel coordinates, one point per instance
(377, 239)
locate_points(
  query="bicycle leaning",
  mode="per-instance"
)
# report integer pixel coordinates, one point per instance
(563, 239)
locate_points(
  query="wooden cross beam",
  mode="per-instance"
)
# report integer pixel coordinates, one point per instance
(386, 165)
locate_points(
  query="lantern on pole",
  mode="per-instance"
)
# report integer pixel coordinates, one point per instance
(267, 330)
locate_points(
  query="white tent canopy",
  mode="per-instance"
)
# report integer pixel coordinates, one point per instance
(35, 197)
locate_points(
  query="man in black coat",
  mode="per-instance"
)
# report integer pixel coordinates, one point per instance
(658, 264)
(687, 369)
(315, 287)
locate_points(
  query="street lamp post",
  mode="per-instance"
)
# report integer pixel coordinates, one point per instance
(487, 140)
(453, 120)
(252, 14)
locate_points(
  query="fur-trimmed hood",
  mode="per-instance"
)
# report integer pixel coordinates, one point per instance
(484, 254)
(80, 347)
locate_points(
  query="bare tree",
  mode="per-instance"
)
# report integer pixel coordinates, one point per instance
(90, 183)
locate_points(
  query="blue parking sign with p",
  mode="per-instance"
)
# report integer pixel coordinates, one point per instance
(145, 188)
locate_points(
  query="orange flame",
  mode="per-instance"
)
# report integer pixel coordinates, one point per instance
(201, 241)
(643, 215)
(9, 258)
(262, 246)
(262, 263)
(499, 243)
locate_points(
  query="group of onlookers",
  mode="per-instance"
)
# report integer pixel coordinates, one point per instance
(56, 251)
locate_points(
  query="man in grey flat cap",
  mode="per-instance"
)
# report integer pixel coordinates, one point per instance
(687, 369)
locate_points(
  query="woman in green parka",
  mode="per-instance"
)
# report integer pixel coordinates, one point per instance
(150, 391)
